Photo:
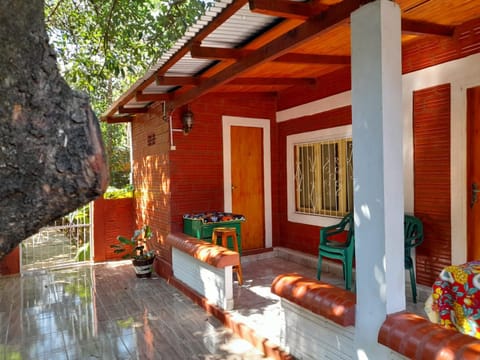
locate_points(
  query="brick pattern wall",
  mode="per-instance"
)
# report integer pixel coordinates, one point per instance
(10, 264)
(197, 163)
(112, 217)
(296, 236)
(436, 50)
(189, 179)
(331, 84)
(431, 136)
(151, 177)
(415, 56)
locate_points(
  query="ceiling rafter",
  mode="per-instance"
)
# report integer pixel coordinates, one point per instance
(178, 80)
(215, 53)
(421, 27)
(287, 9)
(254, 94)
(132, 110)
(202, 34)
(295, 58)
(141, 96)
(273, 81)
(277, 47)
(192, 80)
(118, 119)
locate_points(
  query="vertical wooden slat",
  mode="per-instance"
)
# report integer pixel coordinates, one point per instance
(431, 132)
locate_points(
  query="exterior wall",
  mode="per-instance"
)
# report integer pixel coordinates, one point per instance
(429, 52)
(169, 183)
(10, 264)
(297, 236)
(111, 217)
(190, 178)
(431, 115)
(197, 163)
(436, 50)
(151, 180)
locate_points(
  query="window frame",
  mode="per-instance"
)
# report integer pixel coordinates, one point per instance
(334, 133)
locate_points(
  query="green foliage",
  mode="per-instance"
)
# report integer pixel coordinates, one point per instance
(114, 193)
(117, 148)
(134, 247)
(83, 253)
(103, 46)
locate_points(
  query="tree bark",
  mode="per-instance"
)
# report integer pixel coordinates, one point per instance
(51, 152)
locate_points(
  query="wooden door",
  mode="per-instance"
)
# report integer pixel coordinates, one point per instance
(473, 173)
(247, 183)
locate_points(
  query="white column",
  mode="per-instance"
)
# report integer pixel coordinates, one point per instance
(378, 171)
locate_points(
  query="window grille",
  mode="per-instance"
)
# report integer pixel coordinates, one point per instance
(324, 177)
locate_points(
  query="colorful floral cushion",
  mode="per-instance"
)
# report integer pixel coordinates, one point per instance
(456, 298)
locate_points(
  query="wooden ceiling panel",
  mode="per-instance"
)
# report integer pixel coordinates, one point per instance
(443, 12)
(288, 70)
(253, 88)
(335, 41)
(302, 49)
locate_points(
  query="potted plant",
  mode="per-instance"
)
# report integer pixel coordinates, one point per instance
(134, 248)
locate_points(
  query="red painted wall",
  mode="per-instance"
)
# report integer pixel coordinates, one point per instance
(431, 115)
(151, 179)
(299, 236)
(112, 217)
(436, 50)
(169, 183)
(190, 179)
(10, 264)
(197, 163)
(415, 56)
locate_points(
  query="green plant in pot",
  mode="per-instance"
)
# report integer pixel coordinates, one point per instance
(134, 248)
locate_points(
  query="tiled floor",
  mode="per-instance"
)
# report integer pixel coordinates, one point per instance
(105, 312)
(258, 308)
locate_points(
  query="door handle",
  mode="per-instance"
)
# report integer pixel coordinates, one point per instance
(475, 190)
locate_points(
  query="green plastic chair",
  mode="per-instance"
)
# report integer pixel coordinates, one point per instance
(413, 229)
(331, 248)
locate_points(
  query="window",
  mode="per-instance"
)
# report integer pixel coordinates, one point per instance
(320, 171)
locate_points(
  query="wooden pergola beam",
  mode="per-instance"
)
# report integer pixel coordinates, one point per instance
(140, 96)
(132, 110)
(203, 33)
(277, 47)
(273, 81)
(421, 27)
(117, 119)
(214, 53)
(178, 80)
(191, 80)
(286, 8)
(295, 58)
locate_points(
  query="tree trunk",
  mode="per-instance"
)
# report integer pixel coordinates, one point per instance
(51, 153)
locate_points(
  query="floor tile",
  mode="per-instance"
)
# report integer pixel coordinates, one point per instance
(103, 311)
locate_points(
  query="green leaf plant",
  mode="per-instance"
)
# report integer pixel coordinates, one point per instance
(134, 248)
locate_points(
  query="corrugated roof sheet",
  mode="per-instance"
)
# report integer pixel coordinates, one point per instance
(240, 27)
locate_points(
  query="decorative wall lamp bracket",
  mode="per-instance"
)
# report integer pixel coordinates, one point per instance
(187, 124)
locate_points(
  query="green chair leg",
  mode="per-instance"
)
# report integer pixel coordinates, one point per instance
(319, 268)
(413, 284)
(347, 270)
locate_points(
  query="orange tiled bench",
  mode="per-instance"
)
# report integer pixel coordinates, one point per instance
(417, 338)
(204, 267)
(319, 317)
(206, 252)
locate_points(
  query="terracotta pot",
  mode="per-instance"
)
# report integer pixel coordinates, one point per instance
(143, 268)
